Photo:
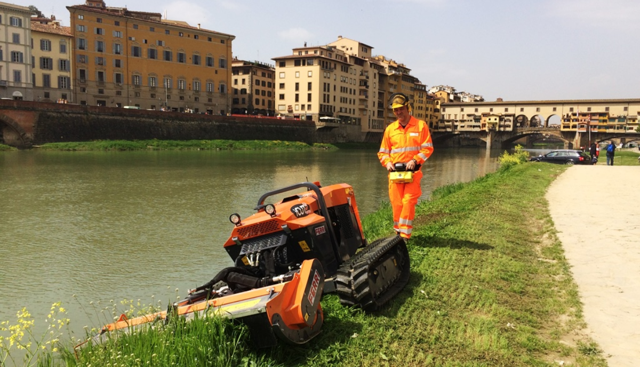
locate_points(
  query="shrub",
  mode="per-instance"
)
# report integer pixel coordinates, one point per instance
(519, 156)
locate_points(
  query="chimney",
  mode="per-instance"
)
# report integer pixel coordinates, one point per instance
(499, 100)
(339, 37)
(198, 25)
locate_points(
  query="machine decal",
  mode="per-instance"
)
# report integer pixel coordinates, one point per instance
(237, 306)
(301, 210)
(304, 246)
(314, 287)
(321, 230)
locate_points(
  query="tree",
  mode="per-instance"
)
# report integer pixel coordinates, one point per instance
(35, 11)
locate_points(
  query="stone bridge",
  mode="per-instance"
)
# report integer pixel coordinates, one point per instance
(504, 139)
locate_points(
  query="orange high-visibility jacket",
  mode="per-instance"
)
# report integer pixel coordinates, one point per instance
(404, 144)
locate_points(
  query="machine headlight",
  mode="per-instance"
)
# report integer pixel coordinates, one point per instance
(235, 219)
(270, 209)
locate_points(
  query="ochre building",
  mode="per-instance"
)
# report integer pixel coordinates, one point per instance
(52, 61)
(132, 58)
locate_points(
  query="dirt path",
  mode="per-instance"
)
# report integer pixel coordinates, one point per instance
(595, 210)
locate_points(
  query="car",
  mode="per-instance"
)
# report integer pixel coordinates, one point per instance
(564, 156)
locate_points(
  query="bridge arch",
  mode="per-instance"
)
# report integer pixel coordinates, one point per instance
(11, 133)
(521, 121)
(554, 121)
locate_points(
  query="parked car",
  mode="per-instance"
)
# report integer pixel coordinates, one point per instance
(564, 156)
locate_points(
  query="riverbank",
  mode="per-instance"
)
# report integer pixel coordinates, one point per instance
(489, 286)
(133, 145)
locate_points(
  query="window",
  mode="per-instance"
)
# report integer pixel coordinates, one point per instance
(46, 63)
(196, 85)
(117, 22)
(64, 82)
(136, 51)
(152, 29)
(16, 38)
(182, 84)
(180, 34)
(281, 86)
(81, 28)
(63, 65)
(196, 59)
(243, 91)
(166, 31)
(223, 63)
(209, 87)
(82, 74)
(223, 88)
(136, 80)
(63, 48)
(16, 22)
(99, 46)
(99, 20)
(100, 61)
(282, 64)
(281, 96)
(117, 63)
(281, 75)
(99, 31)
(160, 43)
(80, 16)
(17, 76)
(45, 45)
(46, 80)
(117, 34)
(257, 82)
(100, 76)
(117, 49)
(152, 53)
(209, 61)
(118, 78)
(168, 83)
(310, 73)
(297, 87)
(297, 74)
(82, 44)
(195, 36)
(135, 26)
(309, 86)
(182, 57)
(167, 55)
(153, 81)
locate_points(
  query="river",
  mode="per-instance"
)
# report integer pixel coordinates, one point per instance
(91, 228)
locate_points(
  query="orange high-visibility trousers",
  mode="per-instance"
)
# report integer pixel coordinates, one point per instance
(404, 197)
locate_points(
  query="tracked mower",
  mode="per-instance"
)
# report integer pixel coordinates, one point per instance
(286, 256)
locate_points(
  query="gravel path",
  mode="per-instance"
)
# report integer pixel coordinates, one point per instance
(595, 210)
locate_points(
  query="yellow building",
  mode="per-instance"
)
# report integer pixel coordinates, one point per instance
(253, 85)
(15, 52)
(132, 58)
(52, 69)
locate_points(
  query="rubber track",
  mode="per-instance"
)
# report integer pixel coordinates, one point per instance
(352, 279)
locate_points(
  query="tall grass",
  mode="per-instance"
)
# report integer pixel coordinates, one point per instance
(126, 145)
(4, 148)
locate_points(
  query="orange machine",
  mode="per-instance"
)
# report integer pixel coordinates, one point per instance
(287, 255)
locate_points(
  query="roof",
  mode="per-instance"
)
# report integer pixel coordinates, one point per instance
(53, 28)
(15, 7)
(144, 16)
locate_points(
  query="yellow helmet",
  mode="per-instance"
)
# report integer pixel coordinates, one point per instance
(399, 100)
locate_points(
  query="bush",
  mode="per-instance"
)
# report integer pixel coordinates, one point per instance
(519, 156)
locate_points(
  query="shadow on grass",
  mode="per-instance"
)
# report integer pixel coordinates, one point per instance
(452, 243)
(392, 308)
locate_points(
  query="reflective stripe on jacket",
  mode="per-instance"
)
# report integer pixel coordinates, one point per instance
(404, 144)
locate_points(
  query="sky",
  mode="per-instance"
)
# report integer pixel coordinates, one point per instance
(511, 49)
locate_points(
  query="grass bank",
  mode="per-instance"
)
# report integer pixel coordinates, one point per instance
(130, 145)
(489, 286)
(621, 158)
(6, 148)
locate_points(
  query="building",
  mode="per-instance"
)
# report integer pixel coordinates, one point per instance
(133, 58)
(343, 82)
(253, 85)
(15, 52)
(52, 67)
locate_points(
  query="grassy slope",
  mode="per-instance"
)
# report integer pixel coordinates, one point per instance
(123, 145)
(489, 287)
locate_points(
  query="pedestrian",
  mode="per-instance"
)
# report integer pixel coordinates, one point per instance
(594, 153)
(611, 152)
(407, 140)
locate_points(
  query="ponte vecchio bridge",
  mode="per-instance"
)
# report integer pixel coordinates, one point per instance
(576, 122)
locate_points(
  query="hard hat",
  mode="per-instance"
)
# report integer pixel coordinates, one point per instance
(399, 100)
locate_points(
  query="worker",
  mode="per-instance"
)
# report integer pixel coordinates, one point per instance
(407, 140)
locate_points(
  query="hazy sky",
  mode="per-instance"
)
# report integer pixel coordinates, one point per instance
(514, 49)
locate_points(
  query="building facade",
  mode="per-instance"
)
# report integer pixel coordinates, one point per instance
(15, 52)
(253, 85)
(131, 58)
(52, 61)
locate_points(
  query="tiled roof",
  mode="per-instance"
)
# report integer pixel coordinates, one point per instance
(53, 28)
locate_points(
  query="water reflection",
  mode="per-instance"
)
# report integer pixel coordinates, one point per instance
(129, 225)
